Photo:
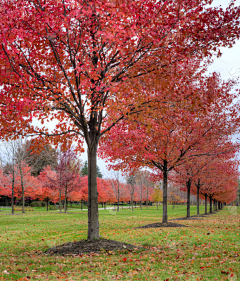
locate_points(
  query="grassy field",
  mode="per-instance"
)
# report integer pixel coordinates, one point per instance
(208, 249)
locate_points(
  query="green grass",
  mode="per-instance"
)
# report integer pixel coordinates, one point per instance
(207, 250)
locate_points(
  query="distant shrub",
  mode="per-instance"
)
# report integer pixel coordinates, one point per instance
(19, 209)
(51, 207)
(38, 204)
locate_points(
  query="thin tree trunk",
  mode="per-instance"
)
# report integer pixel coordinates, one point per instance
(198, 187)
(93, 223)
(22, 185)
(188, 197)
(81, 204)
(141, 196)
(132, 202)
(13, 181)
(147, 197)
(60, 201)
(47, 204)
(65, 200)
(118, 194)
(65, 203)
(205, 204)
(210, 204)
(165, 178)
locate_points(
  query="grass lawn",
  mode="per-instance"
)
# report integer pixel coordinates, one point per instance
(208, 249)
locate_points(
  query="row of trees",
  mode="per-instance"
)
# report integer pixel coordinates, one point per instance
(29, 174)
(208, 179)
(127, 70)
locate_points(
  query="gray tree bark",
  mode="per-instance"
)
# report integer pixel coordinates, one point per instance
(205, 204)
(189, 182)
(165, 182)
(93, 223)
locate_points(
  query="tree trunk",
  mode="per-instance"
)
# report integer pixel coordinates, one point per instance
(22, 185)
(141, 196)
(81, 204)
(47, 204)
(205, 204)
(147, 197)
(210, 204)
(60, 201)
(118, 195)
(93, 223)
(188, 197)
(132, 202)
(13, 181)
(198, 187)
(165, 178)
(65, 200)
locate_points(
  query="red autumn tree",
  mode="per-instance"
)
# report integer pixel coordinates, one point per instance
(119, 191)
(25, 182)
(49, 185)
(68, 59)
(218, 181)
(193, 169)
(164, 139)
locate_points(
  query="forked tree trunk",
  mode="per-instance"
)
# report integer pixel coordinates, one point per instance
(165, 178)
(189, 182)
(205, 204)
(93, 223)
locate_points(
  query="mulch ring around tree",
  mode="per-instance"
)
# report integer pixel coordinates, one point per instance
(158, 225)
(87, 247)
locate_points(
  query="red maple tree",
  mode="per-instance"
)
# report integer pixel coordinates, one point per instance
(68, 60)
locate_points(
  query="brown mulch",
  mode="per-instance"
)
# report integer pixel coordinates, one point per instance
(86, 247)
(158, 225)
